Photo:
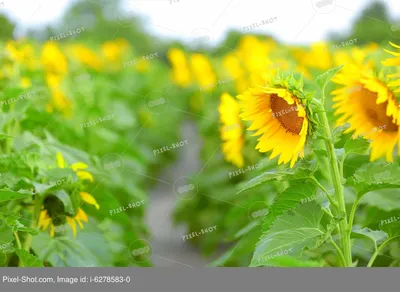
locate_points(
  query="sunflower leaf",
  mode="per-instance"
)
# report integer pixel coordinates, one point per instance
(323, 79)
(375, 235)
(375, 176)
(9, 195)
(303, 170)
(329, 229)
(297, 193)
(290, 234)
(22, 228)
(338, 132)
(356, 146)
(263, 178)
(289, 261)
(29, 260)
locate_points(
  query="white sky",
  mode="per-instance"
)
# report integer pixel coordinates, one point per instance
(297, 20)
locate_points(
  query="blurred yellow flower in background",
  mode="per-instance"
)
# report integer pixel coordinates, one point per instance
(21, 53)
(319, 57)
(203, 71)
(254, 53)
(53, 60)
(233, 66)
(113, 51)
(231, 130)
(180, 68)
(235, 71)
(86, 57)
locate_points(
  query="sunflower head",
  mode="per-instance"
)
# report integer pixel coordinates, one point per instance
(277, 110)
(366, 102)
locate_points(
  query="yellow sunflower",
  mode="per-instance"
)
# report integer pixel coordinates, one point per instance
(394, 62)
(231, 130)
(278, 117)
(78, 167)
(45, 221)
(45, 218)
(370, 107)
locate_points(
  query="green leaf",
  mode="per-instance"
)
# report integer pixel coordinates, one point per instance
(375, 235)
(338, 132)
(28, 260)
(12, 220)
(22, 228)
(302, 171)
(328, 230)
(358, 146)
(289, 199)
(263, 178)
(290, 234)
(385, 199)
(375, 176)
(66, 200)
(323, 79)
(288, 261)
(9, 195)
(5, 136)
(392, 228)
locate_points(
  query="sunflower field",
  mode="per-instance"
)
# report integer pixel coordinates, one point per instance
(299, 152)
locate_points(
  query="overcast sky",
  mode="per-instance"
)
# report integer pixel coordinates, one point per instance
(292, 21)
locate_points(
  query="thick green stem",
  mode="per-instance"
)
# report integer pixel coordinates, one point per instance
(336, 178)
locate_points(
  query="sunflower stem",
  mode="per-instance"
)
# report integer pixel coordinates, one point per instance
(339, 252)
(378, 251)
(336, 178)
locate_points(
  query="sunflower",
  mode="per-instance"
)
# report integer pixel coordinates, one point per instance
(394, 62)
(231, 130)
(77, 167)
(370, 107)
(51, 204)
(47, 222)
(276, 112)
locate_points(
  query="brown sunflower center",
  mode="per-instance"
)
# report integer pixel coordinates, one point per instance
(376, 113)
(286, 114)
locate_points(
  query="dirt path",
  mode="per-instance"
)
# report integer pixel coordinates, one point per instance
(168, 247)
